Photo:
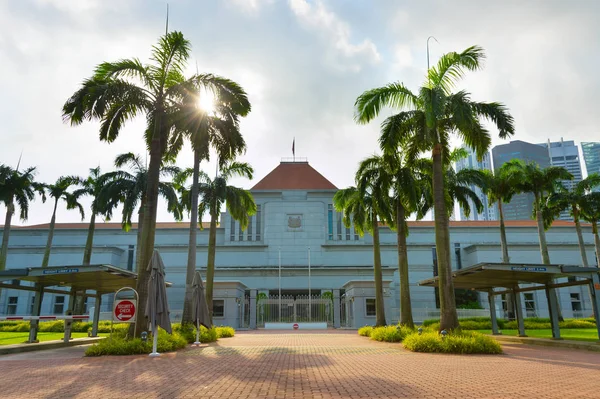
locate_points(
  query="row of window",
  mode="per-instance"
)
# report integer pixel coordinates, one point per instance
(253, 231)
(339, 235)
(58, 307)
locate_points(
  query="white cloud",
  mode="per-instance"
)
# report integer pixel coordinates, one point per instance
(251, 6)
(337, 32)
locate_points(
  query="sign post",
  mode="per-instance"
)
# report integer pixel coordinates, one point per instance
(125, 310)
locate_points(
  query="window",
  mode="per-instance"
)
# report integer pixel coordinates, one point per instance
(258, 208)
(232, 229)
(85, 305)
(59, 304)
(31, 305)
(330, 221)
(371, 309)
(347, 233)
(130, 258)
(529, 305)
(11, 307)
(339, 225)
(218, 308)
(458, 257)
(241, 232)
(250, 228)
(355, 234)
(435, 265)
(576, 303)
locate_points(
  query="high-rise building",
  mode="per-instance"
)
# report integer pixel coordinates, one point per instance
(591, 156)
(565, 154)
(471, 162)
(521, 206)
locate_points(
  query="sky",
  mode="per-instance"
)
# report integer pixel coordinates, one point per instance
(303, 63)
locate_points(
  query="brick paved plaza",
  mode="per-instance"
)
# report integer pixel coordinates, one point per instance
(337, 364)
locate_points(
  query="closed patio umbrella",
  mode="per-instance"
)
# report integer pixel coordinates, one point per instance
(200, 313)
(157, 308)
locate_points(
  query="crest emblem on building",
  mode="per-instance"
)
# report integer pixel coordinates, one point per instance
(294, 221)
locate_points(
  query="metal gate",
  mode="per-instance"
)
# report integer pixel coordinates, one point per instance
(346, 312)
(297, 309)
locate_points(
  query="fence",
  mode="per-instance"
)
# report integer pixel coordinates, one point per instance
(289, 309)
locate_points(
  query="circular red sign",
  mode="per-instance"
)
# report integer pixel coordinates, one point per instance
(124, 310)
(296, 326)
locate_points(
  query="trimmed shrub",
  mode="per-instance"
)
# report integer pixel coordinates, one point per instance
(468, 323)
(390, 333)
(463, 342)
(118, 346)
(575, 323)
(14, 326)
(365, 331)
(188, 331)
(225, 332)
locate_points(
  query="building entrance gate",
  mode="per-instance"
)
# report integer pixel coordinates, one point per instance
(290, 309)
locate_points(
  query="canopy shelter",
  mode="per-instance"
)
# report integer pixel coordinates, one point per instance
(487, 277)
(102, 279)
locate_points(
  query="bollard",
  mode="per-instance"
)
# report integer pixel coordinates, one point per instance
(68, 323)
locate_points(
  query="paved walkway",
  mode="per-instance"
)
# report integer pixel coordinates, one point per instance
(301, 364)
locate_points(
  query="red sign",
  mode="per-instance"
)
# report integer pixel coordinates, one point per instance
(124, 310)
(296, 326)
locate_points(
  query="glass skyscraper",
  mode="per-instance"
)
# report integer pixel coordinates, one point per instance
(591, 156)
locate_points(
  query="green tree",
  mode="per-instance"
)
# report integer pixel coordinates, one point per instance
(219, 131)
(119, 91)
(239, 203)
(59, 191)
(426, 122)
(572, 201)
(16, 188)
(590, 212)
(390, 172)
(362, 206)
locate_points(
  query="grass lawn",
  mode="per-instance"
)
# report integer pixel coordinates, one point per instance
(578, 334)
(11, 338)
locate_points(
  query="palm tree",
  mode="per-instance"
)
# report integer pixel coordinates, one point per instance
(129, 189)
(425, 123)
(393, 175)
(239, 203)
(93, 186)
(219, 131)
(58, 191)
(541, 183)
(572, 200)
(590, 212)
(15, 188)
(119, 91)
(362, 206)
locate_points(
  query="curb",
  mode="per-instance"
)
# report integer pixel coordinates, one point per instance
(21, 348)
(570, 344)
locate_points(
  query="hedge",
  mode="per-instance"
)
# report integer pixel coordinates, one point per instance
(461, 342)
(390, 333)
(365, 331)
(118, 345)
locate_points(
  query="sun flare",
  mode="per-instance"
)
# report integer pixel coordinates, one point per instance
(206, 102)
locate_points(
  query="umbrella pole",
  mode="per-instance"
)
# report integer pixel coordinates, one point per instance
(197, 333)
(154, 341)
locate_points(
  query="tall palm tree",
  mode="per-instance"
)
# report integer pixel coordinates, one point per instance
(93, 186)
(16, 188)
(590, 212)
(392, 174)
(219, 131)
(59, 191)
(119, 91)
(426, 122)
(362, 206)
(572, 200)
(129, 189)
(541, 183)
(239, 203)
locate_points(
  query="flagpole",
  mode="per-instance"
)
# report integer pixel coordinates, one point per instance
(309, 294)
(280, 284)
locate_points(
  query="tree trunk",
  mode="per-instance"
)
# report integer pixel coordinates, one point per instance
(149, 221)
(510, 307)
(191, 261)
(584, 258)
(89, 243)
(46, 259)
(138, 242)
(379, 305)
(406, 317)
(596, 241)
(210, 263)
(544, 248)
(10, 210)
(448, 314)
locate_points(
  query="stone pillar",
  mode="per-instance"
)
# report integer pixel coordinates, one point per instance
(595, 293)
(97, 304)
(553, 310)
(336, 309)
(519, 312)
(253, 309)
(37, 307)
(492, 303)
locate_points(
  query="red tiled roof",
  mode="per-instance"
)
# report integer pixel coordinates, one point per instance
(294, 176)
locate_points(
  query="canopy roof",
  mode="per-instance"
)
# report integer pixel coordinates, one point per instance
(485, 276)
(100, 278)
